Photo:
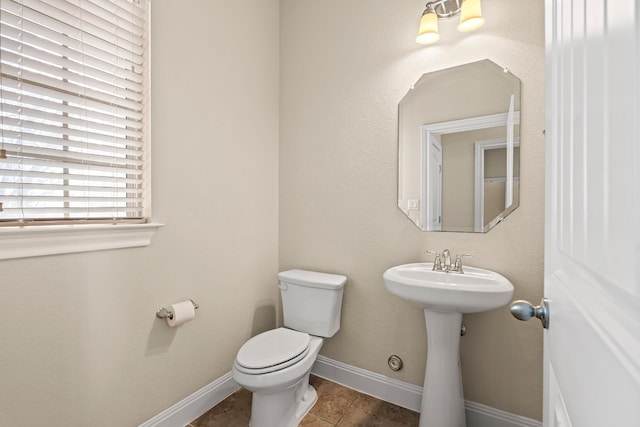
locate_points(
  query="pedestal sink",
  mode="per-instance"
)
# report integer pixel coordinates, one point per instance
(445, 297)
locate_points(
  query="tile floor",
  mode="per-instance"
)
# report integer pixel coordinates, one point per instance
(336, 406)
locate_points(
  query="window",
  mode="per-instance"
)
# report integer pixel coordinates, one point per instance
(72, 104)
(72, 121)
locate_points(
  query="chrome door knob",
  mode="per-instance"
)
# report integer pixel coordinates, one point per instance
(524, 310)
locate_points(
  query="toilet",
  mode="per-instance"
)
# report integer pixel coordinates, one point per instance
(275, 365)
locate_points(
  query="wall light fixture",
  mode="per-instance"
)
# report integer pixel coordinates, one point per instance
(469, 11)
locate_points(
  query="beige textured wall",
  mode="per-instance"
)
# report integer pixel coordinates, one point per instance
(79, 341)
(344, 68)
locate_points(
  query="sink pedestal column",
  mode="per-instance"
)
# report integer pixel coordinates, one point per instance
(442, 398)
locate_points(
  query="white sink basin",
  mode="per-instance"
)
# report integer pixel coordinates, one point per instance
(474, 291)
(444, 298)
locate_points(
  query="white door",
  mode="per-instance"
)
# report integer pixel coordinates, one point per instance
(592, 236)
(433, 185)
(508, 196)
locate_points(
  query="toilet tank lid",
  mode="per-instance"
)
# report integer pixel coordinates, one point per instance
(312, 279)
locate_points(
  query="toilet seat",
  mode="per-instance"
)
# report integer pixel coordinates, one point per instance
(272, 350)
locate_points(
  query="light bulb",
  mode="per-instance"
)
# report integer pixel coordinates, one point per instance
(470, 16)
(428, 31)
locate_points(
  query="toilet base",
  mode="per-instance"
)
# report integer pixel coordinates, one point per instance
(285, 408)
(281, 398)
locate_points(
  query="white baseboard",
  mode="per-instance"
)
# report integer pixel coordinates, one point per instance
(409, 395)
(191, 407)
(479, 415)
(384, 388)
(388, 389)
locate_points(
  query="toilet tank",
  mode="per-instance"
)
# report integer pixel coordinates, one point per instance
(311, 301)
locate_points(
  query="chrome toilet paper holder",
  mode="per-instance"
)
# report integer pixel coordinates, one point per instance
(164, 313)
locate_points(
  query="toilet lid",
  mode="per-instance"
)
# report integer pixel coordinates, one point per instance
(273, 348)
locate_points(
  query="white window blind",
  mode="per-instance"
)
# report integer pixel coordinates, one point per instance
(72, 111)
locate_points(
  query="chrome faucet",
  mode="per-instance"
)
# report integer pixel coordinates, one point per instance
(442, 262)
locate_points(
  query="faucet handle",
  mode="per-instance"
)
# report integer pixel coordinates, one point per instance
(457, 268)
(437, 264)
(435, 254)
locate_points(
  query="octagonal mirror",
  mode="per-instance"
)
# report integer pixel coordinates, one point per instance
(459, 148)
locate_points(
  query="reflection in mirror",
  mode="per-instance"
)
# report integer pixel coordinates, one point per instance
(458, 148)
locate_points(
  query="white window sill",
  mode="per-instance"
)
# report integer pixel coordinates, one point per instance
(23, 242)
